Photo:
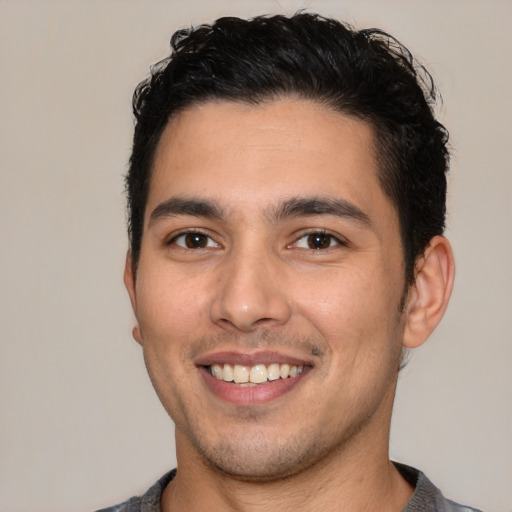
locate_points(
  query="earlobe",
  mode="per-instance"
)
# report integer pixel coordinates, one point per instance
(129, 282)
(136, 334)
(430, 292)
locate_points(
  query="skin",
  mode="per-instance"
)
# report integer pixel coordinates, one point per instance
(256, 287)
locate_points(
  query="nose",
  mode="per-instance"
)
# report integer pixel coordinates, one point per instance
(251, 293)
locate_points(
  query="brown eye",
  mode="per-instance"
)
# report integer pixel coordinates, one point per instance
(319, 241)
(194, 240)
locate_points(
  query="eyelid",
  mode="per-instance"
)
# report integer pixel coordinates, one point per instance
(171, 240)
(336, 237)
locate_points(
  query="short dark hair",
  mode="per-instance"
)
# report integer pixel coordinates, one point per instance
(366, 74)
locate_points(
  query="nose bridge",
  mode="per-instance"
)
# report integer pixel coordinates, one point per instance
(250, 292)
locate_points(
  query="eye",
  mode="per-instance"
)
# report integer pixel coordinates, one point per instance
(193, 240)
(317, 241)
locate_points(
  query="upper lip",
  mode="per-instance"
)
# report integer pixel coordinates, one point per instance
(250, 359)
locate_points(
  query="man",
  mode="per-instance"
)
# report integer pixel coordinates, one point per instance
(287, 202)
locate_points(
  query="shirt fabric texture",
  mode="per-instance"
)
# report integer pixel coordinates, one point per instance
(426, 497)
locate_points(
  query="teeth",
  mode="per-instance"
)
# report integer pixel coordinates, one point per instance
(240, 374)
(273, 372)
(217, 371)
(257, 374)
(227, 373)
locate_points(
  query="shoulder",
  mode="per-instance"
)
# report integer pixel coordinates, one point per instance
(148, 502)
(427, 497)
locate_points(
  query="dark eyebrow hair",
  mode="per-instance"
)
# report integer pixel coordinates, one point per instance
(292, 207)
(318, 205)
(175, 206)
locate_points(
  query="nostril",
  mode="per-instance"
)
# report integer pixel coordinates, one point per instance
(263, 321)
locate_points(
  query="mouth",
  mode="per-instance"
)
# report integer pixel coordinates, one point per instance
(252, 379)
(254, 375)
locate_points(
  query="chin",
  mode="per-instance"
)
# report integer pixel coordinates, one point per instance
(261, 460)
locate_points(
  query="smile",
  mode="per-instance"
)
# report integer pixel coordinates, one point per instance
(253, 375)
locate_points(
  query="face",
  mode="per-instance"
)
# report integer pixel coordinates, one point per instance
(269, 286)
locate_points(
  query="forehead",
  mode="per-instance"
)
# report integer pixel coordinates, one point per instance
(249, 157)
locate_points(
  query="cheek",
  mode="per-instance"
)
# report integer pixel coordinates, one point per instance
(168, 312)
(355, 312)
(169, 307)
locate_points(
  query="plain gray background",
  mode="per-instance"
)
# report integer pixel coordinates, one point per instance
(80, 424)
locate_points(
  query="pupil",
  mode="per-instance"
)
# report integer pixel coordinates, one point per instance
(319, 241)
(195, 240)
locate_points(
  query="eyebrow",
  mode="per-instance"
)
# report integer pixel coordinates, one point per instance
(176, 206)
(286, 209)
(323, 205)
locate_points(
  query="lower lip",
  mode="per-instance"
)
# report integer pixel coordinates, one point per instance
(251, 395)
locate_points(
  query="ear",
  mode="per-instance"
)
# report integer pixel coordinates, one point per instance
(129, 282)
(429, 295)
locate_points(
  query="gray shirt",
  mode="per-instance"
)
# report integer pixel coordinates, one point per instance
(426, 497)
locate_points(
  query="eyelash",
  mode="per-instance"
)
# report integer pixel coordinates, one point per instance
(209, 240)
(331, 239)
(320, 234)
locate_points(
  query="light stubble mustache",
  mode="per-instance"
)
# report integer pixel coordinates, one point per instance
(261, 339)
